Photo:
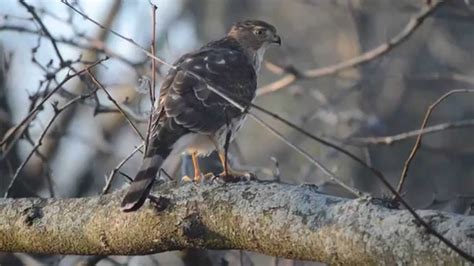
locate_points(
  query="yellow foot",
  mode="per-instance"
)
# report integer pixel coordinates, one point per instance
(203, 178)
(198, 179)
(186, 179)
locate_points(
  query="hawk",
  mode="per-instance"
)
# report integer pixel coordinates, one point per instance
(190, 117)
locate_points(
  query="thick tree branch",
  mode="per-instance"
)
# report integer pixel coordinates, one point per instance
(276, 219)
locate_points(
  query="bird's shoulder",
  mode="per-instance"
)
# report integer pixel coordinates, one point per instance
(185, 96)
(215, 58)
(221, 64)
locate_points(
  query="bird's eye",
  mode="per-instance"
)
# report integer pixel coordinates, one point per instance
(259, 32)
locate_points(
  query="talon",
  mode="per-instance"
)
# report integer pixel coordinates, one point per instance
(250, 176)
(232, 175)
(198, 179)
(186, 179)
(208, 177)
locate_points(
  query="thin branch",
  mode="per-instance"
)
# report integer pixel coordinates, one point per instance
(153, 79)
(389, 140)
(124, 114)
(129, 40)
(50, 144)
(39, 142)
(153, 62)
(417, 145)
(95, 45)
(112, 174)
(325, 142)
(445, 76)
(46, 168)
(25, 121)
(31, 10)
(326, 171)
(294, 75)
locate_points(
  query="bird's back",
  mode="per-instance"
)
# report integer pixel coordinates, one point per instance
(186, 98)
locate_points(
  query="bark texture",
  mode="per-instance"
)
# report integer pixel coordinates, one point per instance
(276, 219)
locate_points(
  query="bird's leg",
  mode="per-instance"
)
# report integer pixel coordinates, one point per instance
(231, 175)
(224, 162)
(197, 170)
(198, 176)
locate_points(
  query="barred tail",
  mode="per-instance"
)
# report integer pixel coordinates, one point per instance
(160, 147)
(141, 185)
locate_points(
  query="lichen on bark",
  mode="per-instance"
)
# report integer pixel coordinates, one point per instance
(276, 219)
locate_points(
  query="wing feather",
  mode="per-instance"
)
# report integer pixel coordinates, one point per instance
(188, 100)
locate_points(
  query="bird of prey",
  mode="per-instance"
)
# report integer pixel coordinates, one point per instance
(189, 116)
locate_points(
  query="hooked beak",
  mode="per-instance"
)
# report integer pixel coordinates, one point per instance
(276, 39)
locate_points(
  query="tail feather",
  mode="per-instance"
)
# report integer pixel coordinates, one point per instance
(141, 185)
(160, 147)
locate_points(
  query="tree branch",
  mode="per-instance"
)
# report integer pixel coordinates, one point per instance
(276, 219)
(293, 75)
(391, 139)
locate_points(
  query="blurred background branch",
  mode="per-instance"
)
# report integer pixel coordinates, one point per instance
(373, 54)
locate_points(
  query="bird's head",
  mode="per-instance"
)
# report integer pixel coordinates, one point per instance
(254, 34)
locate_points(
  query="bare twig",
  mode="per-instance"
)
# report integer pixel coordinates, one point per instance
(112, 174)
(129, 40)
(39, 106)
(417, 145)
(153, 79)
(445, 76)
(389, 140)
(326, 171)
(57, 111)
(95, 45)
(124, 114)
(325, 142)
(50, 145)
(368, 158)
(46, 169)
(31, 10)
(380, 50)
(153, 63)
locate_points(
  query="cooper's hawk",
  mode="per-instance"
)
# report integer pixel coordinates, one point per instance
(190, 117)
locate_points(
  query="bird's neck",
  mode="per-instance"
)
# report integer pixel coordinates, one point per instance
(256, 57)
